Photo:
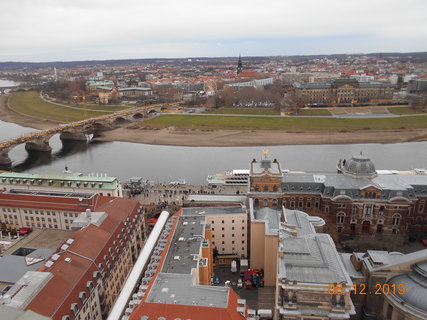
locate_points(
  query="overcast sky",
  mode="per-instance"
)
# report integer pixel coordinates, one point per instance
(52, 30)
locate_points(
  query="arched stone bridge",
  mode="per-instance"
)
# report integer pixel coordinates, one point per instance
(39, 141)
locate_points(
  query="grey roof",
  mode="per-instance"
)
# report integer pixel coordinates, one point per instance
(86, 218)
(185, 246)
(270, 216)
(216, 198)
(312, 258)
(359, 166)
(258, 167)
(27, 287)
(13, 267)
(331, 185)
(178, 289)
(203, 211)
(175, 283)
(300, 220)
(8, 313)
(349, 267)
(400, 259)
(415, 296)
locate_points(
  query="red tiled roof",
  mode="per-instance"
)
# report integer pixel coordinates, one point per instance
(86, 252)
(173, 311)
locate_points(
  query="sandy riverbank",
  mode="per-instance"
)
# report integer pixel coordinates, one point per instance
(171, 136)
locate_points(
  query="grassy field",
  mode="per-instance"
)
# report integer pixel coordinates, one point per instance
(30, 104)
(288, 123)
(403, 110)
(254, 111)
(314, 112)
(96, 106)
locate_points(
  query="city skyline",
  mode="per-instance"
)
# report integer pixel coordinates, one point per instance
(61, 31)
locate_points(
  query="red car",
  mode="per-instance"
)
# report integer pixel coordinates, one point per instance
(24, 231)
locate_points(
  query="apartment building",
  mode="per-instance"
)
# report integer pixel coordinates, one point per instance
(83, 278)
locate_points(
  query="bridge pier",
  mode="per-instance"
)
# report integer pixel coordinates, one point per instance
(5, 161)
(38, 145)
(75, 136)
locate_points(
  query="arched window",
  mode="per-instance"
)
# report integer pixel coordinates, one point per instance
(265, 202)
(256, 202)
(396, 219)
(340, 217)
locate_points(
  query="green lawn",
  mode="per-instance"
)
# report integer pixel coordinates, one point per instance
(29, 103)
(314, 112)
(403, 110)
(111, 108)
(254, 111)
(288, 123)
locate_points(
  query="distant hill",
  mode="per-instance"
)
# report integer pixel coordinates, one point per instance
(414, 56)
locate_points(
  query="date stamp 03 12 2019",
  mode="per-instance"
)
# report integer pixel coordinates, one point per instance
(385, 288)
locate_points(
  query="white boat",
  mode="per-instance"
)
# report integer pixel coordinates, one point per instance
(179, 182)
(236, 177)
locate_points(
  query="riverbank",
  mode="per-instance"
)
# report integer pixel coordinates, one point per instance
(197, 137)
(171, 136)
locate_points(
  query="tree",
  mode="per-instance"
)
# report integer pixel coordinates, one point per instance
(227, 97)
(418, 102)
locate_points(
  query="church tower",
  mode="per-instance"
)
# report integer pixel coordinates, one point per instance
(239, 66)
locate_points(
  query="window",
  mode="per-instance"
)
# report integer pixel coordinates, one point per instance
(340, 217)
(265, 202)
(265, 188)
(274, 188)
(367, 209)
(396, 219)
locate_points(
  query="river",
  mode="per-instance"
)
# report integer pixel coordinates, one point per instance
(170, 163)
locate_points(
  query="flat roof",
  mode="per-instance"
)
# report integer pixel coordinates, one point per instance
(216, 198)
(50, 193)
(205, 211)
(185, 246)
(9, 313)
(13, 267)
(179, 289)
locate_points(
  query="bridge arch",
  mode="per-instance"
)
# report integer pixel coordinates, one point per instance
(138, 115)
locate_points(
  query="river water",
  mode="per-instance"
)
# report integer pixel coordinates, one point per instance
(170, 163)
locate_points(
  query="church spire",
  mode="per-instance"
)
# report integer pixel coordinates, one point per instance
(239, 65)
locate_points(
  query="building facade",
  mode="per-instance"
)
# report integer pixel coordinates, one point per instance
(68, 181)
(83, 278)
(358, 199)
(343, 92)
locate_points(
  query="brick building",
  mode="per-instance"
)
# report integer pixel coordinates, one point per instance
(357, 198)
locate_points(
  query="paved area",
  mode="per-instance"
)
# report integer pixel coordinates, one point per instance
(41, 238)
(256, 298)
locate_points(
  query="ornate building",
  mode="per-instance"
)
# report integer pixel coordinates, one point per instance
(342, 92)
(358, 198)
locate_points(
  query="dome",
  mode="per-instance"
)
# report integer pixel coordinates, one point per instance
(359, 166)
(416, 288)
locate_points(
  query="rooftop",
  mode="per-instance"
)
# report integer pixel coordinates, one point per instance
(205, 211)
(13, 267)
(64, 180)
